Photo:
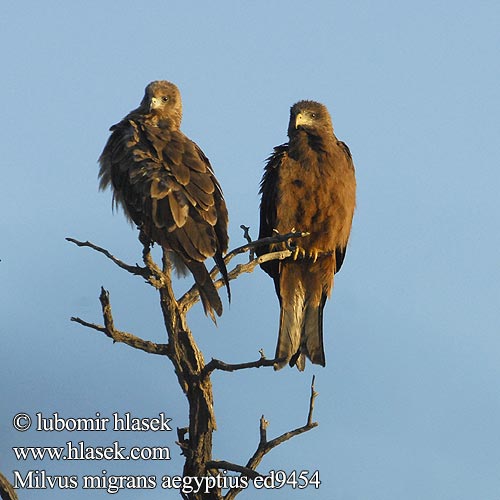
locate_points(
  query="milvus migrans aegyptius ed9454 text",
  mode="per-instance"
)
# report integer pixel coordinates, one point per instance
(309, 186)
(167, 187)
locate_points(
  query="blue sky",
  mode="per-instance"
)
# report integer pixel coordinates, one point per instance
(408, 404)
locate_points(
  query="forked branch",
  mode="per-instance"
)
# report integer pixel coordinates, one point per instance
(266, 446)
(192, 295)
(118, 336)
(158, 278)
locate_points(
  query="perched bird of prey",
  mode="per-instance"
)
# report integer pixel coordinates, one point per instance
(309, 186)
(166, 186)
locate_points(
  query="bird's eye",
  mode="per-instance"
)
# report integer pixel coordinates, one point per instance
(164, 98)
(313, 115)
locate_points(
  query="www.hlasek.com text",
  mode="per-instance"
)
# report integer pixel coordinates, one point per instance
(80, 451)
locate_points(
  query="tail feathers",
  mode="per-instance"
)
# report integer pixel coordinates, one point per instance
(301, 335)
(219, 260)
(208, 293)
(181, 270)
(312, 334)
(289, 335)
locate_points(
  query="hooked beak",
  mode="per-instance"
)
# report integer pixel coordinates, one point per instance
(154, 103)
(301, 119)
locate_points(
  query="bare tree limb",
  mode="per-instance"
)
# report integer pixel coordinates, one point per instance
(136, 270)
(150, 272)
(192, 372)
(224, 465)
(157, 278)
(117, 335)
(246, 235)
(192, 295)
(314, 395)
(270, 240)
(266, 446)
(216, 364)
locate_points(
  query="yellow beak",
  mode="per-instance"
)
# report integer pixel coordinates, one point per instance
(301, 119)
(155, 103)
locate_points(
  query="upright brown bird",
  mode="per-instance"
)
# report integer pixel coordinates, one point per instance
(308, 185)
(167, 187)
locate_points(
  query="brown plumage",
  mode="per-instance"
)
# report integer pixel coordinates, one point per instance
(167, 187)
(308, 185)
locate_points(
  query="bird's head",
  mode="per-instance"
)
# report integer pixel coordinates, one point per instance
(163, 99)
(311, 117)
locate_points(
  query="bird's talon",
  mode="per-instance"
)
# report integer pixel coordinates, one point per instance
(298, 252)
(313, 254)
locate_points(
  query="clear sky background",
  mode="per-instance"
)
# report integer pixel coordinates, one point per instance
(409, 402)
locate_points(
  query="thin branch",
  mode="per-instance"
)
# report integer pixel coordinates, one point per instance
(246, 235)
(246, 232)
(216, 364)
(118, 336)
(150, 272)
(224, 465)
(266, 446)
(136, 270)
(263, 424)
(192, 295)
(314, 394)
(270, 240)
(158, 278)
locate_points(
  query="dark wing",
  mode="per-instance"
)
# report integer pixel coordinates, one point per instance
(168, 188)
(115, 159)
(268, 209)
(220, 206)
(190, 193)
(340, 251)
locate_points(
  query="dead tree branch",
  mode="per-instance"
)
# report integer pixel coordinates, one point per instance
(216, 364)
(150, 272)
(192, 295)
(266, 446)
(117, 335)
(192, 372)
(246, 235)
(136, 270)
(224, 465)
